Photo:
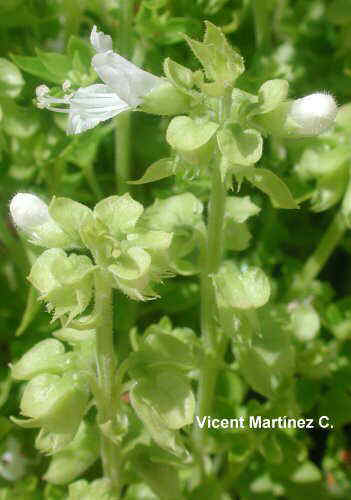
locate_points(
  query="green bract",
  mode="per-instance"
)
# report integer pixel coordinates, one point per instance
(180, 215)
(100, 488)
(75, 458)
(241, 289)
(133, 257)
(46, 356)
(54, 403)
(65, 283)
(222, 64)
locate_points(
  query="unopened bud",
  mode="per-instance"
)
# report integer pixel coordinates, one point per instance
(308, 116)
(31, 215)
(314, 113)
(28, 211)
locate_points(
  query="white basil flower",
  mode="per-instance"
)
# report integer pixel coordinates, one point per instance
(125, 87)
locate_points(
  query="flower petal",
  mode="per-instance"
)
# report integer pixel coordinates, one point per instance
(100, 41)
(92, 105)
(129, 82)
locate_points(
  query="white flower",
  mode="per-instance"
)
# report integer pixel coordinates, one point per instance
(125, 87)
(28, 211)
(314, 113)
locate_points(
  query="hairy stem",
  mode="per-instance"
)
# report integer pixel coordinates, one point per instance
(106, 368)
(326, 247)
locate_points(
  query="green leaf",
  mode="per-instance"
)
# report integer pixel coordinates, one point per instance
(32, 309)
(34, 66)
(185, 134)
(56, 64)
(19, 121)
(245, 289)
(271, 450)
(273, 186)
(158, 170)
(78, 456)
(11, 80)
(78, 46)
(240, 147)
(336, 404)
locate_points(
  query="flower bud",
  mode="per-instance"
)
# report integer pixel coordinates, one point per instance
(314, 113)
(28, 211)
(308, 116)
(31, 215)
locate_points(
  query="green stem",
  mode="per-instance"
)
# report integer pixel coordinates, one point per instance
(122, 122)
(106, 368)
(122, 152)
(212, 254)
(327, 245)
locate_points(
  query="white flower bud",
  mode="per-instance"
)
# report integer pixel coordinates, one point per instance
(28, 211)
(314, 113)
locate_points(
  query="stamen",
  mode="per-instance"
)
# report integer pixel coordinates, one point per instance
(44, 100)
(66, 85)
